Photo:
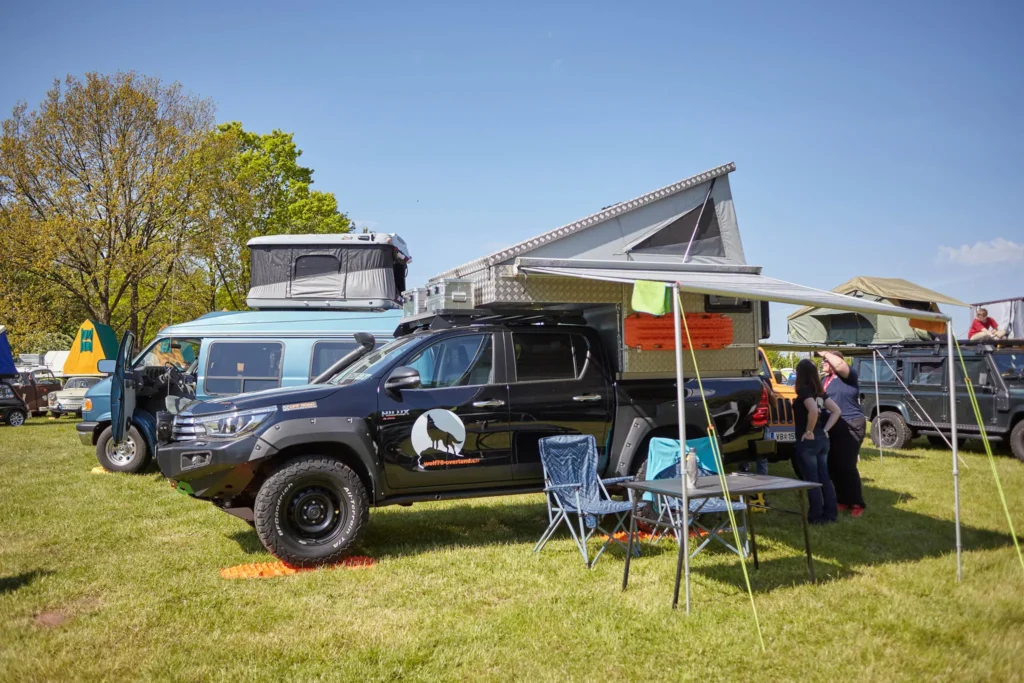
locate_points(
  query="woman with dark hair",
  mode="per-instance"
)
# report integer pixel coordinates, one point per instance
(812, 441)
(843, 386)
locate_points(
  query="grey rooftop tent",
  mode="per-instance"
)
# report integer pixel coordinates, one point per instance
(824, 325)
(340, 271)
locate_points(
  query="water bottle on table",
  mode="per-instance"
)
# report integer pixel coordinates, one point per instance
(691, 466)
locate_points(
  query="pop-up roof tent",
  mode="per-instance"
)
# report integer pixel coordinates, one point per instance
(817, 325)
(1008, 314)
(93, 342)
(685, 235)
(7, 368)
(339, 272)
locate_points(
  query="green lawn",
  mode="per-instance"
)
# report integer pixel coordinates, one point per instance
(116, 576)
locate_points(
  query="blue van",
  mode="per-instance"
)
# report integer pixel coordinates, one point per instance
(222, 354)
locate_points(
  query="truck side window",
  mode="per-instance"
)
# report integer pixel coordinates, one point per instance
(931, 373)
(326, 353)
(544, 356)
(462, 361)
(238, 367)
(975, 366)
(866, 370)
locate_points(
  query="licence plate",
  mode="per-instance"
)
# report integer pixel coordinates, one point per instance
(789, 437)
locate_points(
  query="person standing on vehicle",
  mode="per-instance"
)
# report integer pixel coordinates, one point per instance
(810, 408)
(843, 386)
(984, 328)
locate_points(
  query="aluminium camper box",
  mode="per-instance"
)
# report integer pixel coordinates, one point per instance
(337, 272)
(588, 267)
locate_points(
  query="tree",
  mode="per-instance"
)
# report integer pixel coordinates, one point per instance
(263, 191)
(104, 188)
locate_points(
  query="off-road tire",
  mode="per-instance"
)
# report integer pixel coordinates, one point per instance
(16, 418)
(893, 424)
(132, 459)
(1017, 441)
(278, 512)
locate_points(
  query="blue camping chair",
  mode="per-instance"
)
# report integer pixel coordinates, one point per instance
(663, 463)
(572, 487)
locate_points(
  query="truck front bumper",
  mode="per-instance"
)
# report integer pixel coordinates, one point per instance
(212, 469)
(85, 431)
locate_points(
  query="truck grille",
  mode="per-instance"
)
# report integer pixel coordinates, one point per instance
(184, 428)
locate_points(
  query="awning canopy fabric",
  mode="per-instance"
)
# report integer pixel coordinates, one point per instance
(703, 280)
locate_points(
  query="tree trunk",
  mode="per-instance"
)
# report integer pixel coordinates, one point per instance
(134, 308)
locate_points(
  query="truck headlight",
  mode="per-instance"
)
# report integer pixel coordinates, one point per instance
(234, 425)
(87, 405)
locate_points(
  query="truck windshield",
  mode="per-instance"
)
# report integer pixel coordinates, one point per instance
(1011, 366)
(366, 366)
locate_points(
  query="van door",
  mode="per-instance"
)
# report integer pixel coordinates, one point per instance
(559, 386)
(454, 429)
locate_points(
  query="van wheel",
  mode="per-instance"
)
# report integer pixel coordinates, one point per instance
(311, 511)
(889, 430)
(1017, 441)
(129, 456)
(16, 418)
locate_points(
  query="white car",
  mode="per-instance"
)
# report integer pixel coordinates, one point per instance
(70, 398)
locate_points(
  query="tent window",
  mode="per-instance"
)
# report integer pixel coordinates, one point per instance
(674, 237)
(311, 266)
(85, 345)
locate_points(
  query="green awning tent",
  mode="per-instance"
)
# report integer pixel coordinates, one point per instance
(831, 326)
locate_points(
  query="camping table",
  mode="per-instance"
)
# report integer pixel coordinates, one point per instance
(744, 485)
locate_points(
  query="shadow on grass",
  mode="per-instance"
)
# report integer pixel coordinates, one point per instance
(10, 584)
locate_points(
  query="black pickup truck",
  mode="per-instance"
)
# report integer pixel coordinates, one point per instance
(435, 414)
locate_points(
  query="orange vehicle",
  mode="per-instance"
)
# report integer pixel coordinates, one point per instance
(781, 427)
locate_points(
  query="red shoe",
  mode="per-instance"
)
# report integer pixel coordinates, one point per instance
(857, 511)
(842, 507)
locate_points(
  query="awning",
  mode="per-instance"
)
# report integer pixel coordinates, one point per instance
(705, 280)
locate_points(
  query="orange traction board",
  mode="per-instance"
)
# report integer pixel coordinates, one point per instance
(656, 333)
(267, 570)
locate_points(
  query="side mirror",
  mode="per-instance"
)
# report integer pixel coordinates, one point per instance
(403, 377)
(107, 367)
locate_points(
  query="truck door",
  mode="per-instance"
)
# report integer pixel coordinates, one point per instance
(980, 374)
(454, 429)
(928, 382)
(559, 385)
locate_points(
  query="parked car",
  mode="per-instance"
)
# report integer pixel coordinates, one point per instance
(781, 425)
(33, 385)
(218, 355)
(13, 410)
(71, 397)
(435, 414)
(996, 372)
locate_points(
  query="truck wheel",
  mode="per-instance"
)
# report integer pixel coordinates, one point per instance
(16, 418)
(311, 511)
(1017, 441)
(129, 456)
(890, 429)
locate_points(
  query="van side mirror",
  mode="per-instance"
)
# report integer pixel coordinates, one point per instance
(403, 377)
(107, 367)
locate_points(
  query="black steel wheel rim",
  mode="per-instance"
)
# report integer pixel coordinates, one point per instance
(314, 513)
(888, 433)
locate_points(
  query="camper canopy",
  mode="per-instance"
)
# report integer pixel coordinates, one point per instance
(343, 271)
(837, 325)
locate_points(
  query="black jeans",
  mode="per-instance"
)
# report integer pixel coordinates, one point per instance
(846, 437)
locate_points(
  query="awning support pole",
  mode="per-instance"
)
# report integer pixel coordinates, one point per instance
(878, 404)
(681, 416)
(954, 445)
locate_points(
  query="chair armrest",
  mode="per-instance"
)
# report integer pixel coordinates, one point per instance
(617, 480)
(560, 487)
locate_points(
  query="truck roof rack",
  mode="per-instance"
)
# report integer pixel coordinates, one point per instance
(448, 318)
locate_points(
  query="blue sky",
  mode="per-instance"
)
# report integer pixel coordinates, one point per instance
(866, 136)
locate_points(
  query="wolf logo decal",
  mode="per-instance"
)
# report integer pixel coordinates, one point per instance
(438, 430)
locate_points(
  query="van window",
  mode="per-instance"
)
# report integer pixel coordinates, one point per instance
(326, 353)
(866, 371)
(930, 373)
(239, 367)
(180, 353)
(549, 356)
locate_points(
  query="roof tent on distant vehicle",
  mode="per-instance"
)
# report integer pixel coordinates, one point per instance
(337, 272)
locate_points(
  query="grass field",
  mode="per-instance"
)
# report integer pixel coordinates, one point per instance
(117, 577)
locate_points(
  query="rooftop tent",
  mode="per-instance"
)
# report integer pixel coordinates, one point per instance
(824, 325)
(1008, 314)
(93, 342)
(7, 368)
(342, 271)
